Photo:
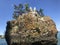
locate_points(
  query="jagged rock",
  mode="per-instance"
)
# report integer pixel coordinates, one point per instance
(31, 29)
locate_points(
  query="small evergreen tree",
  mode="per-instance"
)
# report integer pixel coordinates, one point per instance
(18, 10)
(26, 7)
(41, 12)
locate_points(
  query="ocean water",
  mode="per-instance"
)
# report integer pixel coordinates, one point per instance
(3, 42)
(58, 38)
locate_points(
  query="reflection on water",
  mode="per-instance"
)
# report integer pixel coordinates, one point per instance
(3, 42)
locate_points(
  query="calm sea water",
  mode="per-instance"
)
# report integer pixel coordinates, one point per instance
(3, 42)
(58, 38)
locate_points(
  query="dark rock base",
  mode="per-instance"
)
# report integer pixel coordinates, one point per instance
(35, 43)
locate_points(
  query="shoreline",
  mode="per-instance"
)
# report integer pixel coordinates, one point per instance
(2, 37)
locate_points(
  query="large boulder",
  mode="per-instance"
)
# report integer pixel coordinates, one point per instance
(31, 29)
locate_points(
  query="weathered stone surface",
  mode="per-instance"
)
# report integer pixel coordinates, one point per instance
(31, 29)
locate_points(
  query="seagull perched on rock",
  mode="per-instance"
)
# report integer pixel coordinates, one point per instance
(34, 9)
(30, 8)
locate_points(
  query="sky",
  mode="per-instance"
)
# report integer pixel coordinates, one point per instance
(51, 8)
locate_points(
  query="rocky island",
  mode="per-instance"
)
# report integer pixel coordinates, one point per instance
(31, 28)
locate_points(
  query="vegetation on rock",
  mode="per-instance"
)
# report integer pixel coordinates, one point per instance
(20, 9)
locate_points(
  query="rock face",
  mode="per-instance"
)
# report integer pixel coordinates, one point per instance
(31, 29)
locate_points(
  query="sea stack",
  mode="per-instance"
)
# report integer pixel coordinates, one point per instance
(31, 29)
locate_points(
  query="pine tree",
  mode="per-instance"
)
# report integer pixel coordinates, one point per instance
(27, 7)
(18, 10)
(41, 12)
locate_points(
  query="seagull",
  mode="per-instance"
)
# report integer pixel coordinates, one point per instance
(34, 9)
(30, 8)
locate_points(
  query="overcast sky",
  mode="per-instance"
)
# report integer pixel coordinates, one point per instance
(51, 8)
